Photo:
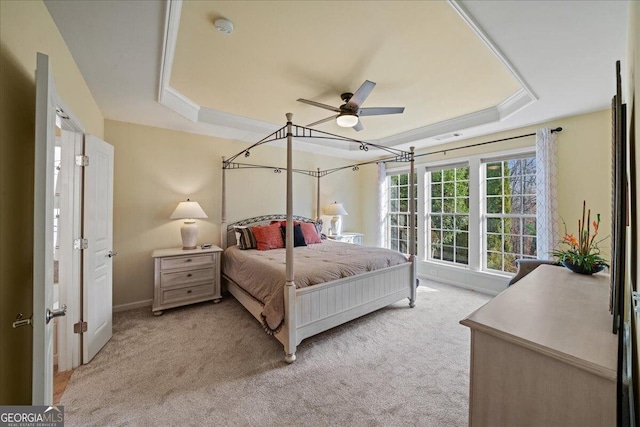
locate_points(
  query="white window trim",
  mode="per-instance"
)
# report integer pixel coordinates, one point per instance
(471, 276)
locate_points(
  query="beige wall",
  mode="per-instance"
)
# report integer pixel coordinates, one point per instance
(157, 168)
(25, 29)
(584, 169)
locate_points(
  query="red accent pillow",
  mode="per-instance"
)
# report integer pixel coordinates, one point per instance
(310, 233)
(268, 237)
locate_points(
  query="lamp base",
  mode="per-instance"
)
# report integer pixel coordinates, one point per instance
(336, 226)
(189, 233)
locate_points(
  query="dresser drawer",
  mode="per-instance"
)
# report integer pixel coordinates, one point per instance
(185, 261)
(179, 278)
(186, 294)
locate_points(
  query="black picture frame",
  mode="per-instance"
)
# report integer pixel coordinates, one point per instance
(619, 204)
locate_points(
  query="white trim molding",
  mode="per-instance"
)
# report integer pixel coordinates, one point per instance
(245, 129)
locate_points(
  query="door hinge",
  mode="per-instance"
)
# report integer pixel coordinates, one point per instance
(82, 160)
(80, 244)
(79, 327)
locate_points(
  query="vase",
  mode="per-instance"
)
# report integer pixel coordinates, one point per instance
(580, 269)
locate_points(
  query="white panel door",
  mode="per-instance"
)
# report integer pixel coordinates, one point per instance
(42, 379)
(97, 259)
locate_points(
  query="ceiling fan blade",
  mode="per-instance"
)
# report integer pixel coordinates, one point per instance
(361, 94)
(321, 121)
(317, 104)
(358, 127)
(379, 111)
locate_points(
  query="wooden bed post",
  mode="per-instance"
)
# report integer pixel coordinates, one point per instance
(318, 198)
(412, 226)
(223, 207)
(290, 287)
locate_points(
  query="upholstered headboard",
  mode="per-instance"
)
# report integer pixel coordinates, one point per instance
(259, 220)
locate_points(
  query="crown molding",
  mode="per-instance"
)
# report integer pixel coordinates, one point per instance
(247, 130)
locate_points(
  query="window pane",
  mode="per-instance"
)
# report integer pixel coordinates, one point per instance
(394, 232)
(448, 175)
(436, 176)
(404, 179)
(448, 222)
(494, 169)
(462, 223)
(529, 205)
(449, 205)
(494, 187)
(394, 206)
(494, 261)
(436, 221)
(404, 205)
(462, 173)
(494, 242)
(462, 256)
(447, 253)
(394, 193)
(530, 226)
(436, 190)
(449, 189)
(462, 205)
(494, 225)
(462, 188)
(447, 237)
(494, 204)
(462, 239)
(394, 219)
(404, 192)
(436, 206)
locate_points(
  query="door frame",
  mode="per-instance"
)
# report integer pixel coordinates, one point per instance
(69, 343)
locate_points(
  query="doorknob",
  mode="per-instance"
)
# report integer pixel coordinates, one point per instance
(111, 254)
(50, 314)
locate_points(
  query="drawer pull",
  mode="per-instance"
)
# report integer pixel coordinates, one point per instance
(187, 260)
(189, 275)
(189, 291)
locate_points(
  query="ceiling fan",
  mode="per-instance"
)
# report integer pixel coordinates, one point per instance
(349, 112)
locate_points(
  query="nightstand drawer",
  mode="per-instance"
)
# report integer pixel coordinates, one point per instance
(185, 261)
(184, 294)
(178, 278)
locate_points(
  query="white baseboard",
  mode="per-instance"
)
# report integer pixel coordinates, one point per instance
(487, 283)
(132, 305)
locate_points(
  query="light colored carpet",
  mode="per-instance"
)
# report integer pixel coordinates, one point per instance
(209, 364)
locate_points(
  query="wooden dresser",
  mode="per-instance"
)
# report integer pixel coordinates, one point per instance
(184, 277)
(542, 353)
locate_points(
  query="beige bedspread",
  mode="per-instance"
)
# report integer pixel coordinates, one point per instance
(262, 273)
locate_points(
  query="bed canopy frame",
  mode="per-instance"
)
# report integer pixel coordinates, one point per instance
(289, 132)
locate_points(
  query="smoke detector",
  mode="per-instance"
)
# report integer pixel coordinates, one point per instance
(223, 25)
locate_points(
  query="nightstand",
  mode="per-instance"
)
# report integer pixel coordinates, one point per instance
(355, 238)
(184, 277)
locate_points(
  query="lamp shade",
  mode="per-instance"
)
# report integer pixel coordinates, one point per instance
(347, 120)
(336, 208)
(187, 210)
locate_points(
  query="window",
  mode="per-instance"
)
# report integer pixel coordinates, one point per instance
(448, 214)
(510, 213)
(398, 212)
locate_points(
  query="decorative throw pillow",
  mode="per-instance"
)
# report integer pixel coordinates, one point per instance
(298, 236)
(268, 237)
(310, 233)
(246, 240)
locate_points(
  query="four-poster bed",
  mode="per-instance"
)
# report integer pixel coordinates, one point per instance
(355, 290)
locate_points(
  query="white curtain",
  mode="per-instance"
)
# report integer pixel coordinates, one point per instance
(547, 192)
(383, 199)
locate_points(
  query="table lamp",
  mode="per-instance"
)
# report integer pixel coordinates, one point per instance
(337, 210)
(188, 211)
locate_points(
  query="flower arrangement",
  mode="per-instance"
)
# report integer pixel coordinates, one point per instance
(582, 253)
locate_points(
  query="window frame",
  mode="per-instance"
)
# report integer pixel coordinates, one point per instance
(387, 215)
(428, 214)
(503, 216)
(476, 207)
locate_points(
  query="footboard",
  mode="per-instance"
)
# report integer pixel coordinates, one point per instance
(322, 307)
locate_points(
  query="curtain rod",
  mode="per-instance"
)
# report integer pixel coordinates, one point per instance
(558, 129)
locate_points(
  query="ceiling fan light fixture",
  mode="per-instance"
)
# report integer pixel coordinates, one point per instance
(347, 120)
